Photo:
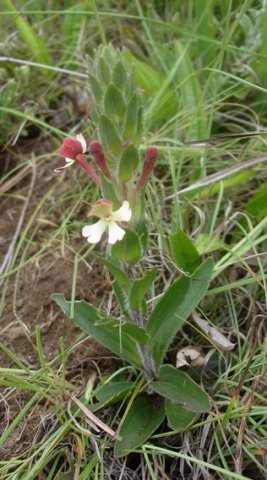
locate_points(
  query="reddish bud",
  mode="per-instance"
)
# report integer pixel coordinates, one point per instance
(149, 164)
(95, 148)
(72, 150)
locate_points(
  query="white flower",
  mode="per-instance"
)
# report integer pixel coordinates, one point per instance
(108, 220)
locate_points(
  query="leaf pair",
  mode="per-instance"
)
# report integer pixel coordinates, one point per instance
(183, 401)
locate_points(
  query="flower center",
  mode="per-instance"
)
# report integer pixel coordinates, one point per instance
(108, 217)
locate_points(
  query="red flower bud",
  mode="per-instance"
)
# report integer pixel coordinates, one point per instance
(149, 164)
(95, 148)
(72, 150)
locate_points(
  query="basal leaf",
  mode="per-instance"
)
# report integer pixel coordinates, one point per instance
(177, 386)
(87, 318)
(138, 334)
(143, 418)
(113, 392)
(178, 417)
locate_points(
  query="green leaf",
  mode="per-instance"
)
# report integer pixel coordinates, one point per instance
(138, 334)
(178, 417)
(128, 163)
(140, 287)
(184, 252)
(143, 418)
(114, 392)
(175, 306)
(114, 105)
(87, 317)
(257, 205)
(117, 273)
(178, 387)
(140, 227)
(128, 250)
(109, 136)
(206, 243)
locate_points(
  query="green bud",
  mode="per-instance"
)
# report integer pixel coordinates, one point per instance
(128, 163)
(109, 54)
(119, 75)
(103, 71)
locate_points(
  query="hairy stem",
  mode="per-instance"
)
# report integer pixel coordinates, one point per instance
(147, 360)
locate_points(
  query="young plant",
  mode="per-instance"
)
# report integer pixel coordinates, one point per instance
(140, 337)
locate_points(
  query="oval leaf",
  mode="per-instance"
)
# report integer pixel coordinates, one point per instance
(178, 417)
(143, 418)
(178, 387)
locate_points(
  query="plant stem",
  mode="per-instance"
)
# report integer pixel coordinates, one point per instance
(147, 360)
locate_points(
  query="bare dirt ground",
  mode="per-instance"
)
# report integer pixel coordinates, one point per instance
(27, 301)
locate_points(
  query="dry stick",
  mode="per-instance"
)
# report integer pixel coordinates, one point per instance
(220, 175)
(93, 417)
(8, 258)
(15, 179)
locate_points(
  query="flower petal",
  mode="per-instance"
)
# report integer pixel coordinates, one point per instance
(115, 233)
(82, 141)
(68, 163)
(94, 232)
(101, 208)
(123, 214)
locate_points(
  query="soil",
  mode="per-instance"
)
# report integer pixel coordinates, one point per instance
(27, 300)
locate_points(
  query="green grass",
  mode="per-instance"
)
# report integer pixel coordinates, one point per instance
(201, 68)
